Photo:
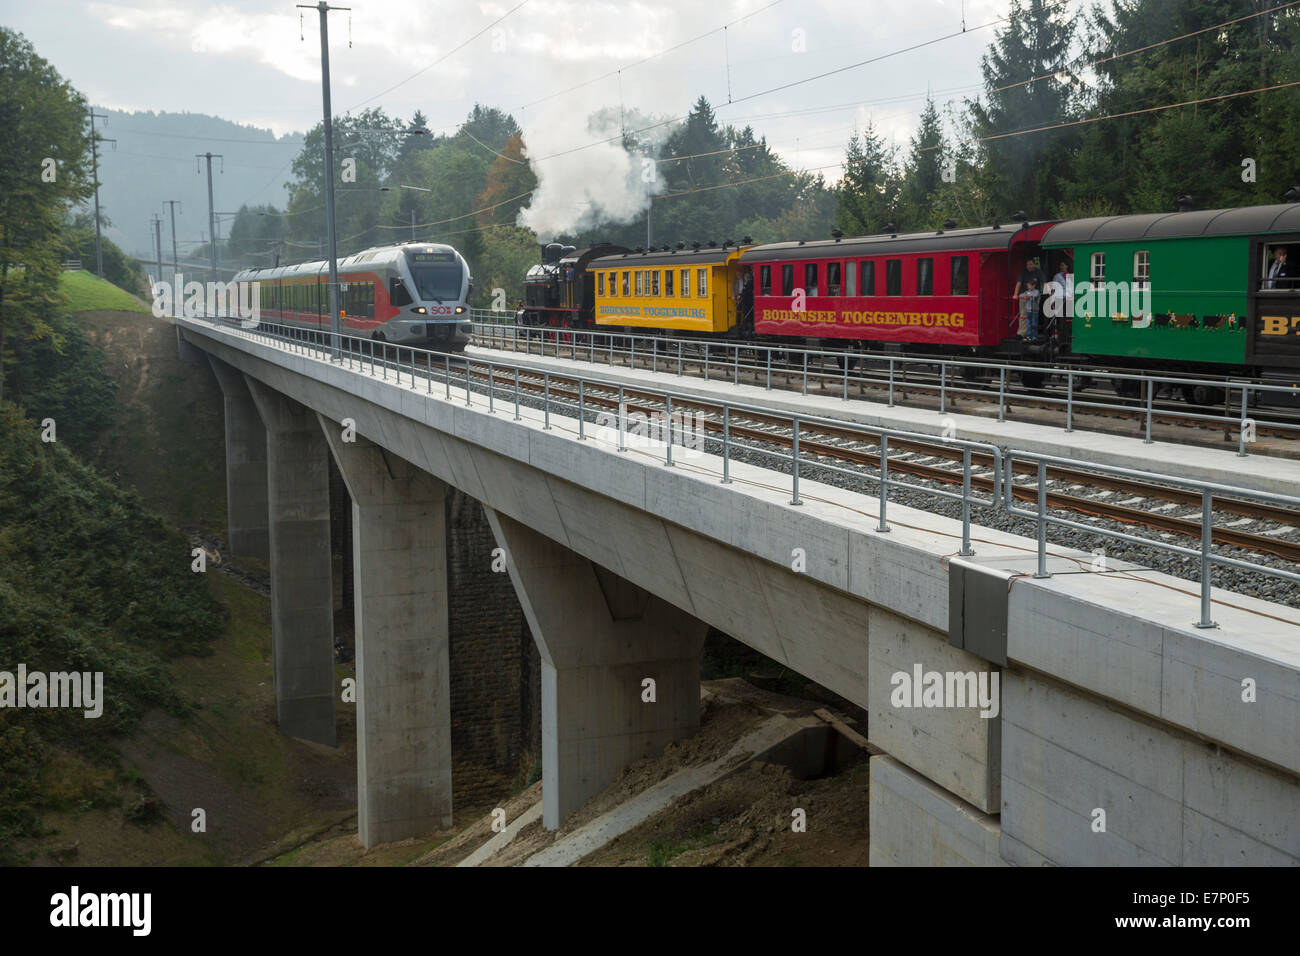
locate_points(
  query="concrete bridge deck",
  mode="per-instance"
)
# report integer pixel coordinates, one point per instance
(1187, 741)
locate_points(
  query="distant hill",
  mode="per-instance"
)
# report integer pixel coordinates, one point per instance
(154, 160)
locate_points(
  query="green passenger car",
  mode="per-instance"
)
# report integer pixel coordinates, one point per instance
(1184, 289)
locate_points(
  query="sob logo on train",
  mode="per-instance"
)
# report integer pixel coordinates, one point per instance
(440, 310)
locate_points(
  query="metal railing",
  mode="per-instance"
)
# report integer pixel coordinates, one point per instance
(414, 366)
(1207, 490)
(891, 374)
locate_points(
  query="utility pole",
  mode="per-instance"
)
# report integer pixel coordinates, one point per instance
(212, 220)
(324, 8)
(94, 154)
(174, 203)
(649, 215)
(157, 235)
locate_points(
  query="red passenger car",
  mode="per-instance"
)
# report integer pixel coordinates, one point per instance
(944, 288)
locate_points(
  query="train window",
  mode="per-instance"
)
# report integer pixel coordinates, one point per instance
(810, 278)
(851, 278)
(600, 283)
(1142, 269)
(893, 277)
(833, 278)
(1279, 268)
(787, 280)
(1098, 270)
(701, 282)
(868, 278)
(668, 282)
(959, 275)
(925, 276)
(686, 282)
(764, 280)
(654, 282)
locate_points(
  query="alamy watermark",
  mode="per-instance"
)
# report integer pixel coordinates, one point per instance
(79, 690)
(197, 300)
(923, 688)
(653, 429)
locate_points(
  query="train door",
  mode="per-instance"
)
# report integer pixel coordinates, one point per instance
(1273, 297)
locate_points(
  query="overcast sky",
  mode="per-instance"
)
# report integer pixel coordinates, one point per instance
(244, 60)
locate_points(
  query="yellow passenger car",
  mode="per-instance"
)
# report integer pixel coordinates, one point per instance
(689, 290)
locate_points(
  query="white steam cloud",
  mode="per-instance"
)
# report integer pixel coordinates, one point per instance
(602, 184)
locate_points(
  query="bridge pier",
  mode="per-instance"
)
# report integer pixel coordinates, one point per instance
(246, 515)
(399, 554)
(601, 639)
(302, 605)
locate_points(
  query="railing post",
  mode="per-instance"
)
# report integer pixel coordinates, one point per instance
(654, 355)
(546, 401)
(1151, 390)
(769, 367)
(1241, 441)
(668, 405)
(446, 372)
(890, 403)
(706, 361)
(1002, 394)
(679, 357)
(846, 376)
(966, 550)
(943, 387)
(582, 408)
(805, 373)
(884, 481)
(1069, 401)
(622, 420)
(795, 462)
(467, 383)
(726, 444)
(516, 393)
(1042, 519)
(491, 391)
(1207, 537)
(735, 370)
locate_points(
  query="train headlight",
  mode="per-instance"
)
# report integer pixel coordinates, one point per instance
(419, 311)
(460, 309)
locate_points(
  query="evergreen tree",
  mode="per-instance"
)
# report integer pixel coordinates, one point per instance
(868, 191)
(1027, 86)
(919, 206)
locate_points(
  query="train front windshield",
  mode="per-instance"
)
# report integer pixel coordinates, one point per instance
(437, 276)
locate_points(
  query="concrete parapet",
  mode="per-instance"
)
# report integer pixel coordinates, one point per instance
(1073, 764)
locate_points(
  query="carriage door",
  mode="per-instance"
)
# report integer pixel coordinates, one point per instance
(1273, 310)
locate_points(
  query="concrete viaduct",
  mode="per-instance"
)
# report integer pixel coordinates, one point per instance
(1111, 700)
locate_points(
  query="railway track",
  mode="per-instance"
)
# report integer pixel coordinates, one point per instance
(1144, 504)
(826, 377)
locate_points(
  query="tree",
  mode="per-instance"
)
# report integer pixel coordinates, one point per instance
(42, 122)
(510, 180)
(868, 191)
(1027, 86)
(919, 206)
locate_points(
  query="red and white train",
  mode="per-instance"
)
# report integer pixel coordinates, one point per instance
(414, 293)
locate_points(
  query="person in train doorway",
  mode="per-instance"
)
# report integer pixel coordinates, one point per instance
(745, 302)
(1030, 271)
(1281, 274)
(1060, 295)
(1035, 296)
